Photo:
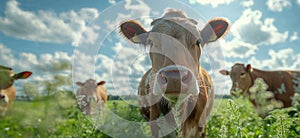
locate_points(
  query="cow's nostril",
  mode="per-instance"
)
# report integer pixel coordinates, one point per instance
(2, 96)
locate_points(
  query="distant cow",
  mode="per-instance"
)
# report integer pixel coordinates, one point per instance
(90, 91)
(7, 90)
(283, 83)
(176, 77)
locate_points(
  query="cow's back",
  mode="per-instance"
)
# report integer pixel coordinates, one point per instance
(282, 83)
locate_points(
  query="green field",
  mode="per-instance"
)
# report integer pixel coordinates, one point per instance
(58, 116)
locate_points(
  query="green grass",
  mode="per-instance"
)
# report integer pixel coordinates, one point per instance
(58, 116)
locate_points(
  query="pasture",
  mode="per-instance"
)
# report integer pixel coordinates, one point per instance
(58, 116)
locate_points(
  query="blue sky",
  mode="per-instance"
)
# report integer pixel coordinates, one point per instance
(35, 34)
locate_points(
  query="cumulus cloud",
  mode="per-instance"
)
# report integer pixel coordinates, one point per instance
(247, 3)
(250, 28)
(213, 3)
(45, 26)
(251, 31)
(281, 59)
(294, 36)
(238, 49)
(112, 1)
(298, 1)
(278, 5)
(43, 66)
(133, 10)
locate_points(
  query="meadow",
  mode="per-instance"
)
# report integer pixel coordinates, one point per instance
(58, 116)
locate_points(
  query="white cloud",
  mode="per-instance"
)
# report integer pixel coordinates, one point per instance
(281, 59)
(112, 1)
(247, 3)
(298, 1)
(213, 3)
(238, 49)
(251, 31)
(43, 66)
(6, 56)
(278, 5)
(250, 28)
(45, 26)
(294, 36)
(137, 9)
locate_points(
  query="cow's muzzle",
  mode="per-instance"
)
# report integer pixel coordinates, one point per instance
(175, 81)
(2, 96)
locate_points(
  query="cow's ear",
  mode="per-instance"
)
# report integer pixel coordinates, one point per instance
(249, 68)
(22, 75)
(214, 29)
(5, 68)
(79, 83)
(101, 83)
(134, 31)
(224, 72)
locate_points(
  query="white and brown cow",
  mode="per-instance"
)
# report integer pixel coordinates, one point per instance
(90, 91)
(282, 83)
(7, 90)
(176, 77)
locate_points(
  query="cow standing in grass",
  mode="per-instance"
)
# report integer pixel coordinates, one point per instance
(176, 77)
(91, 92)
(7, 90)
(283, 84)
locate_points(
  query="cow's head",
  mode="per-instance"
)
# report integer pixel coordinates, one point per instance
(7, 77)
(89, 87)
(240, 76)
(175, 47)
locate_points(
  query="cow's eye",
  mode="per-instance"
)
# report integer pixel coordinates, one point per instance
(199, 42)
(243, 74)
(150, 42)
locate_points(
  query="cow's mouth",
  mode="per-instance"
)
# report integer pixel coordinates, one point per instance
(175, 96)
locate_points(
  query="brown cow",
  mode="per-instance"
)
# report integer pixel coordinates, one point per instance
(7, 90)
(176, 77)
(283, 84)
(88, 92)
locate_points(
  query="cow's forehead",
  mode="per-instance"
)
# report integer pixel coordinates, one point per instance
(89, 82)
(174, 25)
(237, 68)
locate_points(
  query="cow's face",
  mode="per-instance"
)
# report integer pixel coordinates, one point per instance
(89, 87)
(175, 47)
(7, 78)
(240, 76)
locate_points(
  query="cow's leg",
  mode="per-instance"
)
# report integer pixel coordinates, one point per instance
(171, 124)
(3, 110)
(154, 114)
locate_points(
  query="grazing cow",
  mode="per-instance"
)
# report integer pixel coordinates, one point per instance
(88, 92)
(7, 90)
(176, 77)
(283, 84)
